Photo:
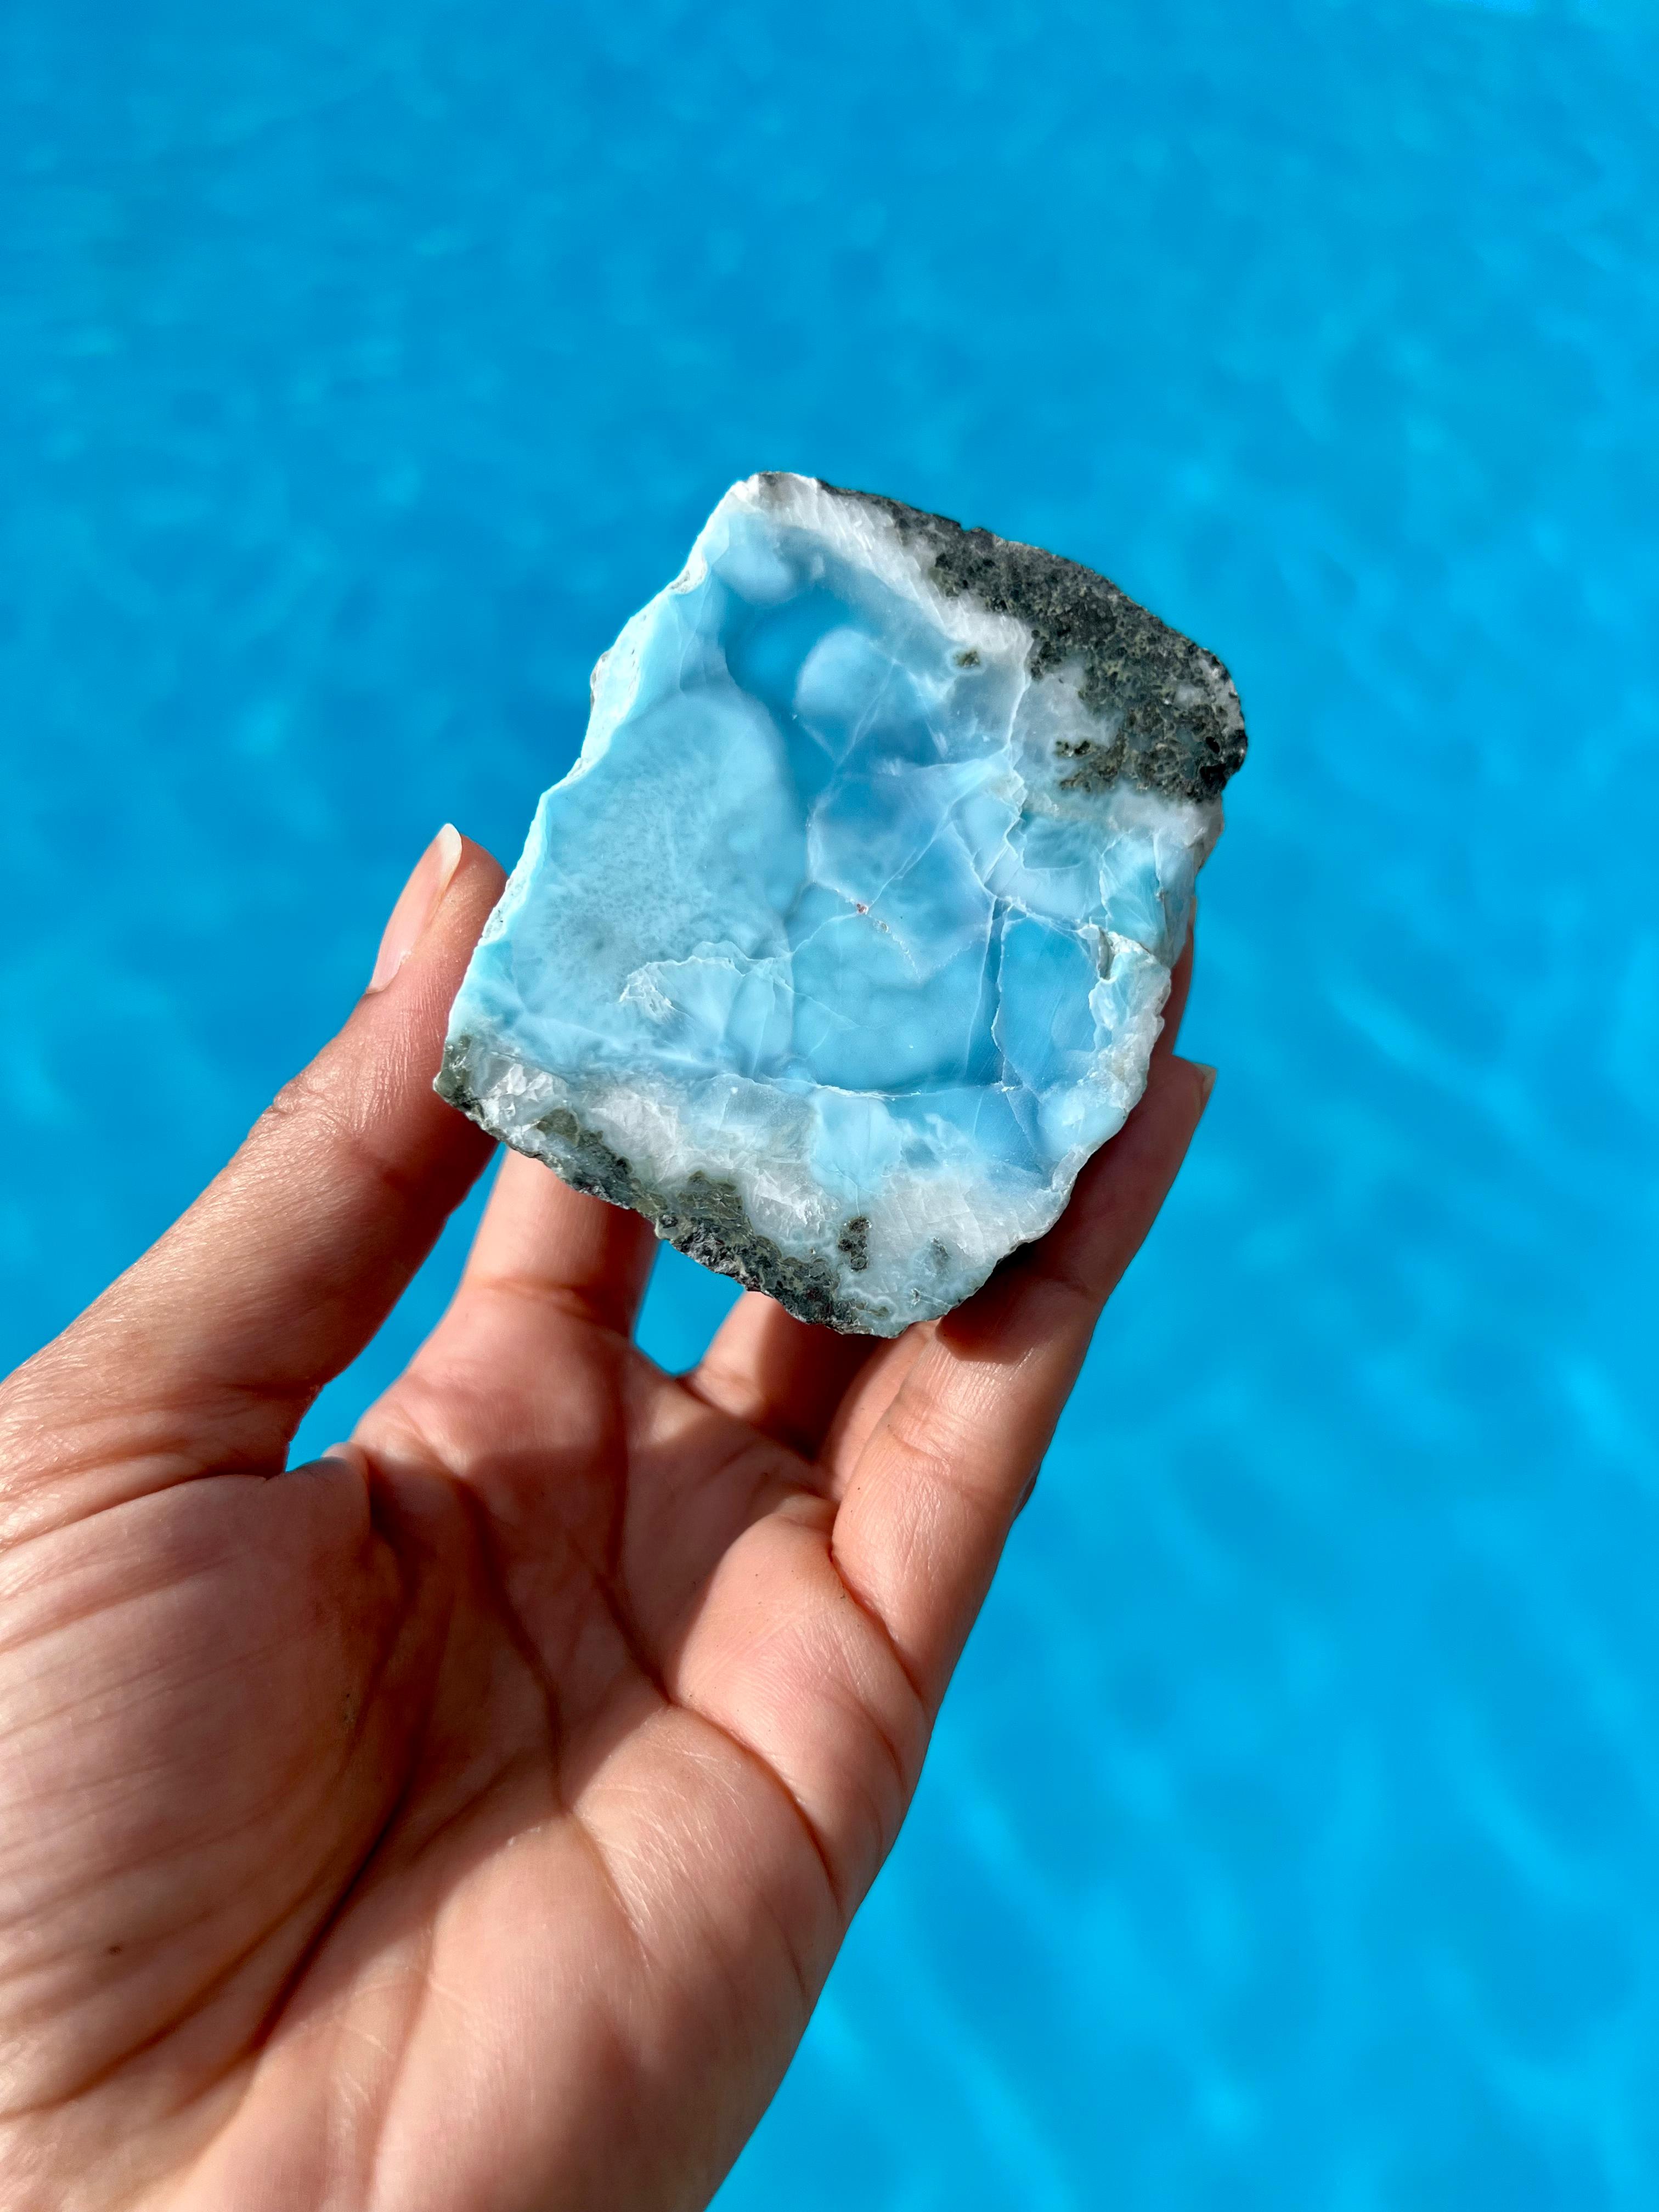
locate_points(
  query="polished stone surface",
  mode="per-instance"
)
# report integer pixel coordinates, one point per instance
(844, 944)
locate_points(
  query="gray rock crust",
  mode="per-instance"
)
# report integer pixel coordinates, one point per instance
(1169, 715)
(702, 1217)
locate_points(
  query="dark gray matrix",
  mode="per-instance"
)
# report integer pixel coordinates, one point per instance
(1170, 714)
(704, 1218)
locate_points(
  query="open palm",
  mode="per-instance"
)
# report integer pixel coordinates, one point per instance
(469, 1819)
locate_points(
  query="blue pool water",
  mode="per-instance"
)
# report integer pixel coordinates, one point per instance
(1292, 1838)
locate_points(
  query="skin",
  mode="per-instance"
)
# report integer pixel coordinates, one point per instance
(469, 1819)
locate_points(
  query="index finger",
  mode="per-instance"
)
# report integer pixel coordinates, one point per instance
(934, 1489)
(868, 1397)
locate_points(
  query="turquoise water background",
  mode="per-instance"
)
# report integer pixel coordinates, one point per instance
(1292, 1836)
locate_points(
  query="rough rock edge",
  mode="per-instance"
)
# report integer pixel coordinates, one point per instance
(704, 1218)
(1134, 665)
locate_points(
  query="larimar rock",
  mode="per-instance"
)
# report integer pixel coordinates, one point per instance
(844, 944)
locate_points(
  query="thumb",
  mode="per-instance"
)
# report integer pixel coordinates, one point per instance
(207, 1352)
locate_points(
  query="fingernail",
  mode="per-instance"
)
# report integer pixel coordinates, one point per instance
(1205, 1083)
(417, 902)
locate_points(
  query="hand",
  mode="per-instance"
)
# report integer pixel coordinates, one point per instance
(469, 1819)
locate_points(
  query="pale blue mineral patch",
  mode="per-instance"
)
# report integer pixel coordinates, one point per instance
(845, 942)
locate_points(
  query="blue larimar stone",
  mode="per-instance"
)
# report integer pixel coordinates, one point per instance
(844, 944)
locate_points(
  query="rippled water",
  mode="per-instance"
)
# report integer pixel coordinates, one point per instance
(1292, 1838)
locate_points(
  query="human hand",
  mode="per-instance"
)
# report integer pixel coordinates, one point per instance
(467, 1821)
